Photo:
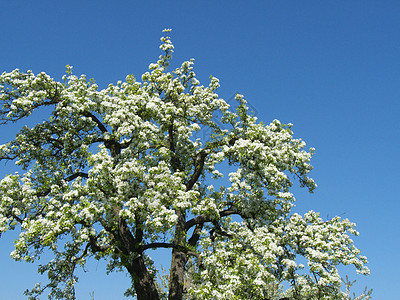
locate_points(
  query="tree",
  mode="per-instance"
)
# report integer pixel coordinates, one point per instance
(113, 173)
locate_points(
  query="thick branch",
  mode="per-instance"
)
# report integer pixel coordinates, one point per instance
(175, 162)
(100, 125)
(204, 218)
(196, 235)
(198, 168)
(95, 247)
(76, 175)
(164, 245)
(16, 218)
(197, 220)
(138, 230)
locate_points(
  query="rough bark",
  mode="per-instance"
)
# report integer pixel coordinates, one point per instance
(178, 261)
(133, 261)
(142, 282)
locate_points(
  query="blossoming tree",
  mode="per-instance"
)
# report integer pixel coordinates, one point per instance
(113, 173)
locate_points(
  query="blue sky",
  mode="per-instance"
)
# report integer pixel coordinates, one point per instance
(332, 68)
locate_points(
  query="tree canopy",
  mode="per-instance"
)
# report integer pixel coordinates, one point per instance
(115, 172)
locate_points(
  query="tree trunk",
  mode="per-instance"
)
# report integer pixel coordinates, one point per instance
(128, 246)
(178, 261)
(142, 282)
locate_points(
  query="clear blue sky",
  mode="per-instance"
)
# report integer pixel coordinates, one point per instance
(332, 68)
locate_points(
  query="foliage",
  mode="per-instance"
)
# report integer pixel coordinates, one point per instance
(115, 172)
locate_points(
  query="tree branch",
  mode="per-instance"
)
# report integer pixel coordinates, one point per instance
(69, 178)
(4, 118)
(167, 245)
(204, 218)
(96, 248)
(198, 168)
(196, 235)
(175, 162)
(100, 125)
(76, 175)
